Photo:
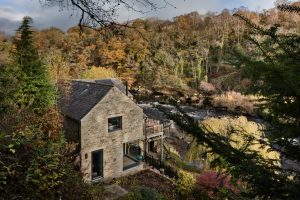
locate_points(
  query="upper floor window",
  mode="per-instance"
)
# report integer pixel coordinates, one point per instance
(114, 124)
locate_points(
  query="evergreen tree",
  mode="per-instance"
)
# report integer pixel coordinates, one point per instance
(32, 146)
(35, 90)
(276, 77)
(274, 69)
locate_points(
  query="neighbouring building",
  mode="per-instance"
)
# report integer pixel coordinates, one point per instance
(110, 128)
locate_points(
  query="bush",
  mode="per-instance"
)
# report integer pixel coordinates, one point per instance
(207, 88)
(214, 185)
(235, 101)
(145, 193)
(229, 81)
(74, 188)
(31, 166)
(185, 183)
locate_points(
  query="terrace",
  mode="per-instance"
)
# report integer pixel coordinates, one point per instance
(154, 133)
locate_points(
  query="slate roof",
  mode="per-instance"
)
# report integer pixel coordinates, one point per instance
(84, 95)
(153, 113)
(114, 82)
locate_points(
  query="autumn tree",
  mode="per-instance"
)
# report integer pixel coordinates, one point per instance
(7, 76)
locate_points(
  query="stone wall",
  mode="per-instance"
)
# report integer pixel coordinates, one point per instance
(95, 135)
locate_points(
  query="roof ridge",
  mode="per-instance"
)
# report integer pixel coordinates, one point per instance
(96, 83)
(105, 84)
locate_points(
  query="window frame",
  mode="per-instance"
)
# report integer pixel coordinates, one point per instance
(120, 124)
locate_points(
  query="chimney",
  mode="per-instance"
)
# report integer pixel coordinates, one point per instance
(126, 85)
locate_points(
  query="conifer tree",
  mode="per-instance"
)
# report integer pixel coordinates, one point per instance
(276, 77)
(32, 164)
(35, 90)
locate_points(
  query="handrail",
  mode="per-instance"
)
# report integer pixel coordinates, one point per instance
(157, 128)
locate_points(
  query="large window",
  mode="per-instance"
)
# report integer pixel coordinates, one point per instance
(97, 164)
(132, 154)
(114, 124)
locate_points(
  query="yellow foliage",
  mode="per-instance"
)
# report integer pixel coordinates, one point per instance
(99, 73)
(242, 127)
(195, 151)
(58, 66)
(113, 53)
(171, 149)
(185, 183)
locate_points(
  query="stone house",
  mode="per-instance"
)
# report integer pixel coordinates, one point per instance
(101, 116)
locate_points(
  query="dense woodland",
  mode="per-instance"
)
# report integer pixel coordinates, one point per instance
(240, 50)
(156, 53)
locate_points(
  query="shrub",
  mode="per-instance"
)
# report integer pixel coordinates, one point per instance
(234, 101)
(31, 166)
(74, 187)
(229, 81)
(185, 183)
(145, 193)
(207, 87)
(212, 185)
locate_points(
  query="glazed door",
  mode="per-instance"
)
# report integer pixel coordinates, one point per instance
(97, 164)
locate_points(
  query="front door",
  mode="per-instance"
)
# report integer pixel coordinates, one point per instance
(97, 164)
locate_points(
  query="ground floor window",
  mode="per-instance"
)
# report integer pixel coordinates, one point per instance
(132, 154)
(97, 164)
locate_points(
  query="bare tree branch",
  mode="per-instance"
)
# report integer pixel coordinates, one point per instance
(104, 13)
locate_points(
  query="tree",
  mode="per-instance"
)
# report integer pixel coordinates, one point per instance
(35, 91)
(275, 76)
(32, 164)
(274, 68)
(7, 77)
